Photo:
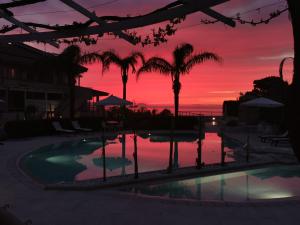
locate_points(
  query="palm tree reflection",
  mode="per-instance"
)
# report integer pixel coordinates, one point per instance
(123, 141)
(176, 163)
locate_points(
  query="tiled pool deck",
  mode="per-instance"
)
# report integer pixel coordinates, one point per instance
(30, 201)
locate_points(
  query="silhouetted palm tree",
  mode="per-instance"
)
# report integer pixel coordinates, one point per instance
(110, 57)
(183, 62)
(71, 59)
(281, 66)
(69, 62)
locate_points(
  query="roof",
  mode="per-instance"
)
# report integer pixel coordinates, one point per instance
(19, 54)
(90, 92)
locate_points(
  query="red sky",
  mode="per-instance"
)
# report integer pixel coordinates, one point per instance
(248, 52)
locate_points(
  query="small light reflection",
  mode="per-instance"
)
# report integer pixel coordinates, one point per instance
(214, 123)
(275, 195)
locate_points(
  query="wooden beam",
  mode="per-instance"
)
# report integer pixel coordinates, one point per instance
(218, 16)
(96, 19)
(212, 13)
(19, 3)
(23, 26)
(130, 23)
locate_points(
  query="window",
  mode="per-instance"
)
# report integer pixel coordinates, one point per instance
(36, 95)
(54, 96)
(16, 100)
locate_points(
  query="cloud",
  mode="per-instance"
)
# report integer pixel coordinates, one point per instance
(277, 57)
(223, 92)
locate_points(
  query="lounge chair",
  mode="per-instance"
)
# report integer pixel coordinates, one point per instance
(8, 218)
(266, 138)
(77, 126)
(56, 125)
(278, 140)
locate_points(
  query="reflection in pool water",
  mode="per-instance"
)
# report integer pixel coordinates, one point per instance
(82, 159)
(268, 183)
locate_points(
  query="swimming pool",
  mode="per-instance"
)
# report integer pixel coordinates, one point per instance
(82, 159)
(267, 183)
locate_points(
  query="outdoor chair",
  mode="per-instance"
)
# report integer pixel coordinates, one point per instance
(279, 140)
(7, 218)
(266, 138)
(56, 125)
(77, 126)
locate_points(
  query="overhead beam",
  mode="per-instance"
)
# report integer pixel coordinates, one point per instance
(19, 3)
(96, 19)
(130, 23)
(218, 16)
(13, 20)
(212, 13)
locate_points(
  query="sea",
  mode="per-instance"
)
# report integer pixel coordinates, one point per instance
(204, 109)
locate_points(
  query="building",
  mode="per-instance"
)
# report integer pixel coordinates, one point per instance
(26, 93)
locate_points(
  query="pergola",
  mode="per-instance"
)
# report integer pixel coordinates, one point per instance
(97, 25)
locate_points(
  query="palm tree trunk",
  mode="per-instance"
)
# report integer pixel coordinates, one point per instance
(294, 93)
(176, 102)
(72, 83)
(124, 80)
(176, 89)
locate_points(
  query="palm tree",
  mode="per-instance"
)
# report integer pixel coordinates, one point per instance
(72, 59)
(110, 57)
(183, 61)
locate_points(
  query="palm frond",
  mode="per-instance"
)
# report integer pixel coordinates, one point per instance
(90, 58)
(200, 58)
(156, 64)
(181, 52)
(110, 57)
(140, 55)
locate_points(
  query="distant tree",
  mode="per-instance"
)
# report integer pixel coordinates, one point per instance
(272, 87)
(165, 112)
(269, 87)
(183, 62)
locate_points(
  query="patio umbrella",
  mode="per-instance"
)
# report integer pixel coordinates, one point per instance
(114, 101)
(263, 103)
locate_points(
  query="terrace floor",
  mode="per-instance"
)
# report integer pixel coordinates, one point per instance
(30, 201)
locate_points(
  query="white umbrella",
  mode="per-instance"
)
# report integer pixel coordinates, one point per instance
(263, 103)
(113, 100)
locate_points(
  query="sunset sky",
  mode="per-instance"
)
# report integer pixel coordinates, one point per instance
(248, 52)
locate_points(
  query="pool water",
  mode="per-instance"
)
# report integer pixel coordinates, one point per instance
(267, 183)
(82, 159)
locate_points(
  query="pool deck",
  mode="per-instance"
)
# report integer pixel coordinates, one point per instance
(30, 201)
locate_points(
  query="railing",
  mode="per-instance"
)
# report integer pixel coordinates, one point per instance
(200, 113)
